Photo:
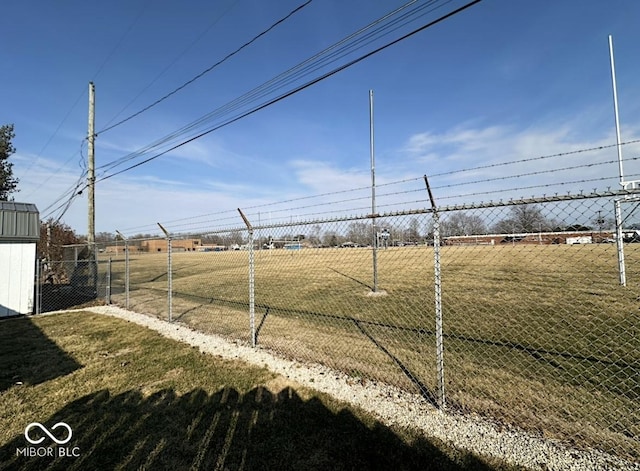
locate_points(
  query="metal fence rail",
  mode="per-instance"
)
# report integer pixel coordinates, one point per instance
(518, 312)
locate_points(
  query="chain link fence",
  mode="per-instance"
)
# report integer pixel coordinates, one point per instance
(525, 312)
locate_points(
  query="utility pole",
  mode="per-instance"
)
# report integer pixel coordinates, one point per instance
(91, 178)
(91, 181)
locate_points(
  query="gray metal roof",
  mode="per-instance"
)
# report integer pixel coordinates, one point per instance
(19, 222)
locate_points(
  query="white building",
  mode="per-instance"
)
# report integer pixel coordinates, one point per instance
(19, 233)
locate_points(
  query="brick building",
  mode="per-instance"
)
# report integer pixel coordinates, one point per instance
(177, 245)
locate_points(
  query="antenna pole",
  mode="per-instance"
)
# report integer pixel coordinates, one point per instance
(615, 110)
(373, 196)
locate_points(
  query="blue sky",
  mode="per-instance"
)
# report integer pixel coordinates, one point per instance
(501, 81)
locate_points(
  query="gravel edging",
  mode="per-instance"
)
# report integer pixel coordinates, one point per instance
(393, 406)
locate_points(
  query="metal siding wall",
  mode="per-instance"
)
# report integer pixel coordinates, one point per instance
(19, 222)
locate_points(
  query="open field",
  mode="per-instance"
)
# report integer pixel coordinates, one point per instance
(137, 400)
(538, 336)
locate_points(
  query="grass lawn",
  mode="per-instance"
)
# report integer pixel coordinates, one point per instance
(541, 336)
(136, 400)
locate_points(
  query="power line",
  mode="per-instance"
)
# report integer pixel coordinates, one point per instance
(55, 133)
(233, 215)
(106, 60)
(285, 78)
(295, 90)
(171, 64)
(209, 69)
(70, 194)
(74, 191)
(289, 93)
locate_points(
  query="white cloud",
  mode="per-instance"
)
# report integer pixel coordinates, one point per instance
(473, 163)
(321, 177)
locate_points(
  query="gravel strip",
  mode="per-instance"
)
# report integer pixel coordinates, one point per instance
(394, 406)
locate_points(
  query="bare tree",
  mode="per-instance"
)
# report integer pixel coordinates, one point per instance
(412, 233)
(331, 239)
(524, 218)
(463, 224)
(360, 233)
(314, 235)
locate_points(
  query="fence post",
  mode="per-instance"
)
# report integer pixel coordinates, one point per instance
(126, 269)
(441, 398)
(620, 244)
(169, 274)
(107, 294)
(438, 303)
(252, 307)
(126, 273)
(36, 303)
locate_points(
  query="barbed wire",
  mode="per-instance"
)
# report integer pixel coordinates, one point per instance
(229, 218)
(321, 218)
(530, 187)
(530, 174)
(533, 159)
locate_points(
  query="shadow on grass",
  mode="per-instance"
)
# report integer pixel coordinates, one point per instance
(537, 352)
(360, 282)
(226, 430)
(426, 393)
(29, 356)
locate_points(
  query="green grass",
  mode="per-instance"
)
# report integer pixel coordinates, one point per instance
(538, 336)
(136, 400)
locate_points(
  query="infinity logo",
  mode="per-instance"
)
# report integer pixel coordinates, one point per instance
(47, 433)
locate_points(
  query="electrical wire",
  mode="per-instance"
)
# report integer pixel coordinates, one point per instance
(106, 60)
(100, 69)
(165, 70)
(208, 69)
(276, 83)
(294, 91)
(44, 147)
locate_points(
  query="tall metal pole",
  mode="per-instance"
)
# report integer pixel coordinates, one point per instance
(373, 195)
(618, 212)
(615, 109)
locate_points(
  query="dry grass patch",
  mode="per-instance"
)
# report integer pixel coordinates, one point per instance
(546, 318)
(136, 400)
